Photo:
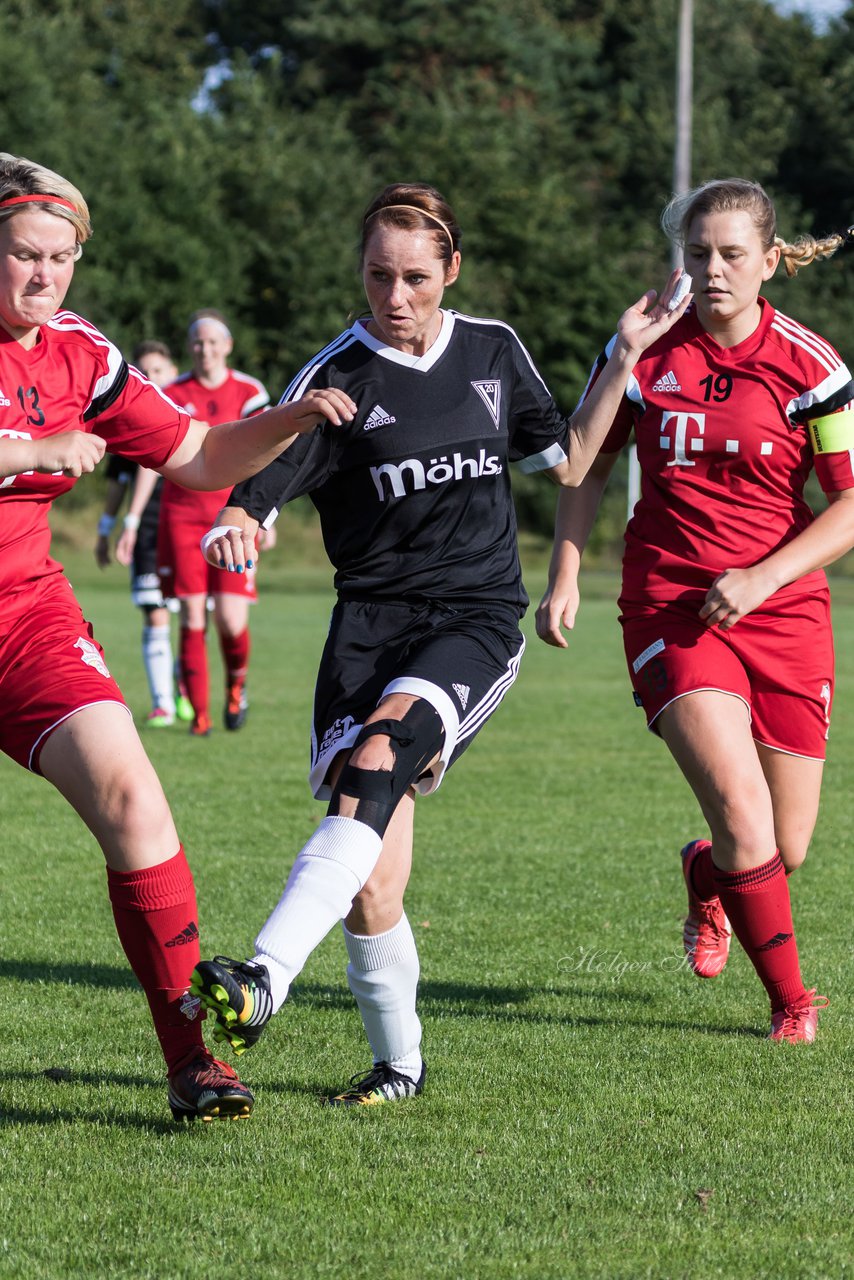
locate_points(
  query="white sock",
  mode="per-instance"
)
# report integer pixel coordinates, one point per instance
(383, 976)
(157, 659)
(329, 871)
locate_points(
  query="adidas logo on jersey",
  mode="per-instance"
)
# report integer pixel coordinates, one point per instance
(378, 418)
(462, 691)
(668, 383)
(5, 402)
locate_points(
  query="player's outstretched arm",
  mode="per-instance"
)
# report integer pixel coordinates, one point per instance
(576, 511)
(642, 324)
(219, 457)
(230, 544)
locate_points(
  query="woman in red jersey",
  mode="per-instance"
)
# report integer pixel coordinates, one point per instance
(66, 395)
(213, 393)
(724, 605)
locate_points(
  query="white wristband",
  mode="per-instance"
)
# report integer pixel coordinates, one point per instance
(106, 525)
(217, 532)
(131, 522)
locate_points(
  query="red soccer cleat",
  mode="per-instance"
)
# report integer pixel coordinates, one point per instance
(706, 935)
(798, 1021)
(209, 1090)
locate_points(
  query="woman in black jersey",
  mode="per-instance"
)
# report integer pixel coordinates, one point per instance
(417, 518)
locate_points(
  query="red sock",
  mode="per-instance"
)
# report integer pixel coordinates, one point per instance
(194, 669)
(760, 912)
(155, 915)
(235, 655)
(703, 872)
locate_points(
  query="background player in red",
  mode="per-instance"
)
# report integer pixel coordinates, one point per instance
(417, 516)
(725, 608)
(63, 714)
(213, 393)
(137, 548)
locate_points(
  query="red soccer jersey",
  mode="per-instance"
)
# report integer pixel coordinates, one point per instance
(72, 379)
(723, 451)
(239, 396)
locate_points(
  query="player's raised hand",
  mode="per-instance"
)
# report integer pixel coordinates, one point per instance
(646, 320)
(324, 404)
(76, 453)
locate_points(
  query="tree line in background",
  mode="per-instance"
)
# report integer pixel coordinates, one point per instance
(227, 152)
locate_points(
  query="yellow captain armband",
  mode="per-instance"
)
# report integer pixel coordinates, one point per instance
(833, 434)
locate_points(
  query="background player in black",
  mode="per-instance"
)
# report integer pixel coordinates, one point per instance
(137, 548)
(417, 517)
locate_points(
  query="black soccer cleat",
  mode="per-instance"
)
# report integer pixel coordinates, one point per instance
(381, 1084)
(206, 1089)
(238, 995)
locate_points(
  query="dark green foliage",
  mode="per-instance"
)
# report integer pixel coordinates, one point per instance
(228, 151)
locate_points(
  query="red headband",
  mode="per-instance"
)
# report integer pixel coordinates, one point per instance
(38, 199)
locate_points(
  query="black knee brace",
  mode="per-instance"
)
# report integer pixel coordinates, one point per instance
(415, 739)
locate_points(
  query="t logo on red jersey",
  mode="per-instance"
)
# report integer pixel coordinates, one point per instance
(681, 423)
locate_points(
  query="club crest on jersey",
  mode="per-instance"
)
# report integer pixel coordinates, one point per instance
(490, 394)
(440, 470)
(378, 418)
(91, 655)
(668, 382)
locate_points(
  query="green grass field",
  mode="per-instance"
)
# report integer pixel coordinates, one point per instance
(592, 1109)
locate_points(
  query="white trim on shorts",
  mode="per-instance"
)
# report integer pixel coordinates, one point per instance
(704, 688)
(456, 730)
(49, 730)
(145, 591)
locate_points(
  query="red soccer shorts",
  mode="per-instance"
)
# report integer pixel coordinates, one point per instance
(185, 572)
(778, 660)
(50, 667)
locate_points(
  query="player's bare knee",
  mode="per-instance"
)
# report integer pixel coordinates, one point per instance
(793, 855)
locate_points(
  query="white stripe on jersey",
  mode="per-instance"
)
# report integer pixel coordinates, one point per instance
(817, 395)
(137, 374)
(458, 315)
(544, 461)
(297, 385)
(68, 322)
(817, 347)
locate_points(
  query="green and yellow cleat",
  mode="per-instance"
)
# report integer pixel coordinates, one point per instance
(238, 996)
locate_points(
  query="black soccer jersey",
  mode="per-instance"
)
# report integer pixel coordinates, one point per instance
(414, 495)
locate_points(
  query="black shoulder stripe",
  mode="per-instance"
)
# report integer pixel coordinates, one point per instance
(102, 402)
(837, 401)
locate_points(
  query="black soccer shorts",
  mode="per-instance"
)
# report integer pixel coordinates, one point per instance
(460, 658)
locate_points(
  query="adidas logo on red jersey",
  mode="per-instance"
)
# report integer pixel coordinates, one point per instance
(668, 383)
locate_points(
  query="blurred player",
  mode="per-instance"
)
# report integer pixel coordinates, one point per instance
(213, 393)
(417, 516)
(63, 713)
(137, 547)
(725, 608)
